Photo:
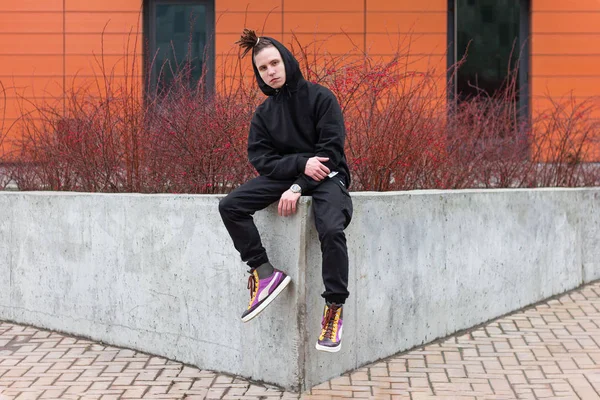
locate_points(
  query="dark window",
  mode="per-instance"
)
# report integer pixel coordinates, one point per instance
(180, 37)
(493, 34)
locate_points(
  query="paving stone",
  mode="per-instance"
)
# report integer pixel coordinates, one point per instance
(547, 351)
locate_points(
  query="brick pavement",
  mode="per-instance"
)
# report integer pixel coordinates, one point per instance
(551, 350)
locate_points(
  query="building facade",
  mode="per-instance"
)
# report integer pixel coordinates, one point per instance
(46, 46)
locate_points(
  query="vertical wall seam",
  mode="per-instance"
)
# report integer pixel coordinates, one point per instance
(301, 305)
(451, 50)
(365, 27)
(64, 55)
(524, 83)
(282, 19)
(11, 267)
(579, 236)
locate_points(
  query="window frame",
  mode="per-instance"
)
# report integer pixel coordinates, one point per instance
(149, 35)
(524, 62)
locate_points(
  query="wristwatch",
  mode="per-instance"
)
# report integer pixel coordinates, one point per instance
(295, 188)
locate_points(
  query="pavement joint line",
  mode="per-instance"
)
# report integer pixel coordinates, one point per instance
(548, 348)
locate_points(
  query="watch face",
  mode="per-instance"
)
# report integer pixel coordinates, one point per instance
(295, 188)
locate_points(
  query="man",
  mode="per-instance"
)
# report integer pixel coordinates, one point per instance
(296, 143)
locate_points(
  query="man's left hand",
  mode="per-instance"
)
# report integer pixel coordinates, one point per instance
(287, 203)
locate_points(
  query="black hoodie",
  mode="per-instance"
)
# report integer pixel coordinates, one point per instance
(298, 121)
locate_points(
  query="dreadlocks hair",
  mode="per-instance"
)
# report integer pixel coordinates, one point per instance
(249, 40)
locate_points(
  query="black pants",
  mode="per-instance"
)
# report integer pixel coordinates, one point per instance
(332, 209)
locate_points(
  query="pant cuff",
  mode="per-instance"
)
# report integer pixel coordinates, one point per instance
(257, 262)
(333, 298)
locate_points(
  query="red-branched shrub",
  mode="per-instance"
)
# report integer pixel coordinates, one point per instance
(402, 132)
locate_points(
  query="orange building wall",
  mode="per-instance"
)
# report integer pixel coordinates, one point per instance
(31, 46)
(371, 25)
(339, 27)
(565, 50)
(48, 45)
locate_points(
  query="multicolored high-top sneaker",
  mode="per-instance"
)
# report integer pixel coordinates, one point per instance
(264, 291)
(331, 332)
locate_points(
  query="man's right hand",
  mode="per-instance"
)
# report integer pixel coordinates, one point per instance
(316, 169)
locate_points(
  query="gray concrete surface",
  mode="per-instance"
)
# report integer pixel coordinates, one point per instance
(158, 273)
(155, 273)
(547, 351)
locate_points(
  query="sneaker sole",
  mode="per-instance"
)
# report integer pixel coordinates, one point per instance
(329, 349)
(268, 300)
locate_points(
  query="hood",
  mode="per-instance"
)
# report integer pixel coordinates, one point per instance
(293, 75)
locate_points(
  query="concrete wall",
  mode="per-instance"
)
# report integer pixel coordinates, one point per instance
(159, 273)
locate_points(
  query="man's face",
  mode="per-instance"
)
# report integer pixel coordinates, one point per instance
(270, 66)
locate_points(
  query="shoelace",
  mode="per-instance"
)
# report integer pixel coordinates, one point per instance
(252, 285)
(329, 320)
